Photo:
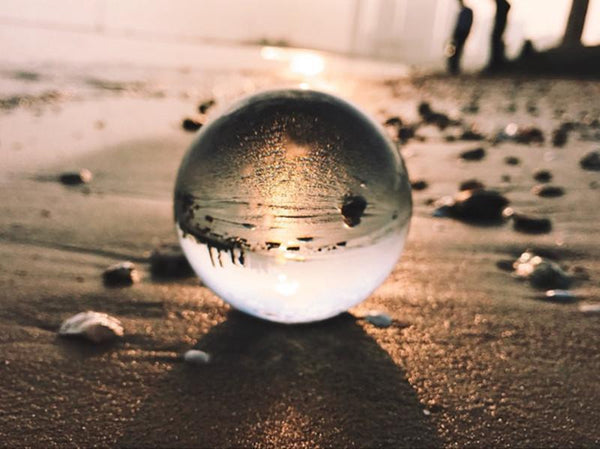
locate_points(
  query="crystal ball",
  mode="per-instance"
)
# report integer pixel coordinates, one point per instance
(292, 205)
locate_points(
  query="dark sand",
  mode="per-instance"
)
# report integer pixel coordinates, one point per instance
(472, 361)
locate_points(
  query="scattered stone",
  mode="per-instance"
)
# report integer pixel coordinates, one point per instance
(196, 357)
(529, 134)
(206, 105)
(406, 133)
(419, 184)
(591, 161)
(505, 178)
(95, 326)
(353, 209)
(393, 121)
(83, 176)
(478, 205)
(471, 134)
(560, 296)
(559, 136)
(531, 225)
(473, 155)
(471, 184)
(541, 273)
(512, 160)
(589, 308)
(442, 121)
(168, 261)
(542, 176)
(547, 191)
(191, 124)
(379, 319)
(121, 274)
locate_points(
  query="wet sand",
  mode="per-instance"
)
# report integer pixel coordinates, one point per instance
(472, 360)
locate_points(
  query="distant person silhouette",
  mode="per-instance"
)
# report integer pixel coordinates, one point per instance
(497, 56)
(459, 37)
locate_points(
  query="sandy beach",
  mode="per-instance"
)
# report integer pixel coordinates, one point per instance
(474, 358)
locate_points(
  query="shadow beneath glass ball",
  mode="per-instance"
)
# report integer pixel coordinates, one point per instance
(325, 384)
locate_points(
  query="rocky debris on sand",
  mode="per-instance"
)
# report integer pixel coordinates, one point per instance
(540, 272)
(473, 155)
(419, 184)
(528, 224)
(559, 136)
(471, 134)
(121, 274)
(191, 124)
(95, 326)
(548, 191)
(542, 176)
(512, 160)
(379, 319)
(196, 357)
(168, 261)
(529, 134)
(394, 121)
(590, 309)
(479, 205)
(206, 105)
(560, 296)
(406, 132)
(429, 116)
(353, 209)
(520, 134)
(82, 176)
(471, 184)
(591, 161)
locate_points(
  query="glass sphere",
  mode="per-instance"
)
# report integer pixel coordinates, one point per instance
(292, 205)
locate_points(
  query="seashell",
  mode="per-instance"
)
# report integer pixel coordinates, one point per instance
(379, 319)
(95, 326)
(120, 274)
(196, 357)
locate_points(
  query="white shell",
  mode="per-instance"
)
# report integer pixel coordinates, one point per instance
(379, 319)
(589, 308)
(560, 295)
(196, 357)
(95, 326)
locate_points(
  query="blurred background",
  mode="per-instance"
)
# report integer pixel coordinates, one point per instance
(412, 32)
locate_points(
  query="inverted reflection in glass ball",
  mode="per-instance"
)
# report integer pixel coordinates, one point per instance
(292, 205)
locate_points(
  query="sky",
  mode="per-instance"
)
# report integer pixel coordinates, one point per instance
(408, 30)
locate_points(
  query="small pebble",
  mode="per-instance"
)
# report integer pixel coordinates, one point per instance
(206, 105)
(471, 134)
(191, 124)
(559, 136)
(531, 225)
(379, 319)
(591, 161)
(560, 295)
(419, 184)
(393, 121)
(121, 274)
(473, 155)
(542, 176)
(512, 160)
(95, 326)
(589, 308)
(83, 176)
(478, 205)
(196, 357)
(529, 134)
(547, 191)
